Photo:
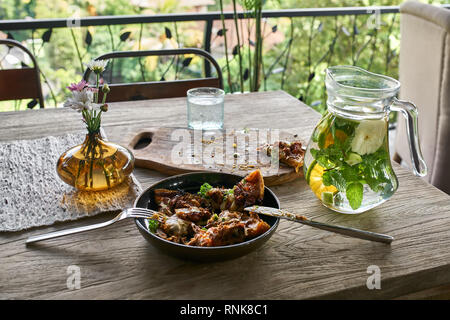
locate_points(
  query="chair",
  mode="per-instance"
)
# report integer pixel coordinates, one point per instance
(158, 89)
(23, 83)
(425, 78)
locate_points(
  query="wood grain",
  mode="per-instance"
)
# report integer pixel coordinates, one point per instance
(296, 263)
(179, 150)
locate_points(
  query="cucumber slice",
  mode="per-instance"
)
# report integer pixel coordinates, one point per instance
(327, 197)
(353, 158)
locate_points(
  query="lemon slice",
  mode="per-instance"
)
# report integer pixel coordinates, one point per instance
(315, 181)
(341, 135)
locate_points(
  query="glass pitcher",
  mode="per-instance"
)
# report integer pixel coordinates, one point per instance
(347, 163)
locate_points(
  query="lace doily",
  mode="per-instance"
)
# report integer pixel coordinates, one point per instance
(32, 194)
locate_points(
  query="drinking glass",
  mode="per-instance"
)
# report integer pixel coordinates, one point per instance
(205, 108)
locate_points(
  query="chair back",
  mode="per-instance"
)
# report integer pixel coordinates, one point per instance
(425, 79)
(23, 83)
(158, 89)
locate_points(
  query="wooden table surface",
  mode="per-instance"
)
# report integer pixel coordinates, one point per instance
(298, 262)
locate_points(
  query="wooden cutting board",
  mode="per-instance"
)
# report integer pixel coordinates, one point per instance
(180, 150)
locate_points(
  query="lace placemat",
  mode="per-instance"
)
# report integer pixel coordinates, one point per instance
(32, 194)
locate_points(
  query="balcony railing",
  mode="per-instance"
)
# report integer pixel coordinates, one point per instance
(300, 44)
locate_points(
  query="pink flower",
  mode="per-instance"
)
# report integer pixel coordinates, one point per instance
(78, 86)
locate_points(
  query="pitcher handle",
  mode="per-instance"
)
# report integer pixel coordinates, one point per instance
(409, 111)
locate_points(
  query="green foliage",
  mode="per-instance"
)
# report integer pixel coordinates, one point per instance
(294, 55)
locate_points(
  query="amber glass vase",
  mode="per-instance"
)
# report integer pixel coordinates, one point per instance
(95, 164)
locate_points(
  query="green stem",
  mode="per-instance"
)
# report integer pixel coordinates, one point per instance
(139, 48)
(113, 48)
(286, 61)
(170, 65)
(77, 49)
(374, 48)
(32, 42)
(177, 39)
(104, 98)
(102, 163)
(249, 52)
(354, 41)
(241, 78)
(388, 44)
(226, 46)
(277, 59)
(311, 36)
(80, 167)
(257, 63)
(49, 86)
(96, 94)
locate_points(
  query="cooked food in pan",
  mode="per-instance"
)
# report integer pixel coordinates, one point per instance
(212, 217)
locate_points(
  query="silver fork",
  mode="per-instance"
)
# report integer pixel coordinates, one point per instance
(127, 213)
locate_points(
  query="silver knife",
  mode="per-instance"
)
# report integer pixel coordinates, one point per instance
(351, 232)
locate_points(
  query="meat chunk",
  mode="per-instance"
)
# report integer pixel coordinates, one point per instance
(221, 235)
(162, 199)
(221, 199)
(224, 216)
(254, 225)
(176, 229)
(169, 200)
(194, 214)
(290, 153)
(246, 192)
(185, 201)
(249, 190)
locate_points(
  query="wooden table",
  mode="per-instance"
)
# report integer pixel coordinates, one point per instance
(298, 262)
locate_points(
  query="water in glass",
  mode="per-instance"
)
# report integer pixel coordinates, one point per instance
(205, 108)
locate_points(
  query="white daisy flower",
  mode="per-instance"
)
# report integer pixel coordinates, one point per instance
(81, 100)
(97, 66)
(369, 136)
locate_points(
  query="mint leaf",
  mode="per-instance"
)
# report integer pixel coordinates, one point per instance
(328, 158)
(354, 194)
(334, 177)
(350, 174)
(374, 167)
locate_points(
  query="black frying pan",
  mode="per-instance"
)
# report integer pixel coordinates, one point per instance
(191, 182)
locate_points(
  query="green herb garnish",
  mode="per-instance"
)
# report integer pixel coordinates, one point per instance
(204, 189)
(227, 193)
(153, 225)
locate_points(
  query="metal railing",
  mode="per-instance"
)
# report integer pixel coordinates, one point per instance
(208, 18)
